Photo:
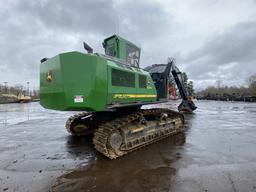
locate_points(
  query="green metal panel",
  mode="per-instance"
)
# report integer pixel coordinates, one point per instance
(51, 91)
(81, 81)
(121, 94)
(74, 75)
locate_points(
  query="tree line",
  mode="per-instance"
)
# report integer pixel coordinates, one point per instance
(17, 90)
(231, 93)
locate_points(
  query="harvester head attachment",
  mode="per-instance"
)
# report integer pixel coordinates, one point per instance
(187, 106)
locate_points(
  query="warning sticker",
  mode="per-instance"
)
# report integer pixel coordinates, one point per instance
(79, 99)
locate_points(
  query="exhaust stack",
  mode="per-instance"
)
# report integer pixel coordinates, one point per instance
(88, 48)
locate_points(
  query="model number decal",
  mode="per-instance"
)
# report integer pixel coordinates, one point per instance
(127, 96)
(79, 99)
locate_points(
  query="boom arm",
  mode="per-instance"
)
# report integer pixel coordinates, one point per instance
(187, 104)
(160, 74)
(171, 67)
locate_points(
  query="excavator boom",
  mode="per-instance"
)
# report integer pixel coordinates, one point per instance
(161, 74)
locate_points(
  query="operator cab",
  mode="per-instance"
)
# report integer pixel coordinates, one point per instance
(119, 47)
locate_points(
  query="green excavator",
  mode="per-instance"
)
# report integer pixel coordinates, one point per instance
(110, 89)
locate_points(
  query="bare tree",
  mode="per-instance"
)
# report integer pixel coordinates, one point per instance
(252, 84)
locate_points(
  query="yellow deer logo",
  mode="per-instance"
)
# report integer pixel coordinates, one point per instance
(49, 76)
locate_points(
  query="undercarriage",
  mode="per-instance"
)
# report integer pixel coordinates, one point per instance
(118, 133)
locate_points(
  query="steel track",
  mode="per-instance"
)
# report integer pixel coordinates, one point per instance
(102, 134)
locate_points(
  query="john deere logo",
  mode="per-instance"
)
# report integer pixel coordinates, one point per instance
(49, 76)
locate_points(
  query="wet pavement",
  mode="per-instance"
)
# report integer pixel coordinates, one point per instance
(217, 152)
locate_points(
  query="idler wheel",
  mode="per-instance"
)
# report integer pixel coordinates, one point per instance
(115, 141)
(79, 129)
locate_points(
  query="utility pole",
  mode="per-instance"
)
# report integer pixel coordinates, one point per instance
(218, 82)
(28, 88)
(5, 87)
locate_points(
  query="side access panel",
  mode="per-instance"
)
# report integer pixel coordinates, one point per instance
(79, 82)
(129, 85)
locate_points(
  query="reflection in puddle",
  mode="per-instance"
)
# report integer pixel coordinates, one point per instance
(148, 169)
(14, 113)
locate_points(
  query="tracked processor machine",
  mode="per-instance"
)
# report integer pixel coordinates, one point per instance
(110, 89)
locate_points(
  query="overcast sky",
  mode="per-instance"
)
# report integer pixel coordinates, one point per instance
(210, 39)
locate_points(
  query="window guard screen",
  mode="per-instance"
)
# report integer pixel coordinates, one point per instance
(142, 81)
(122, 78)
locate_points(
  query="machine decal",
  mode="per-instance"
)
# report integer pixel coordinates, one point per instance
(137, 130)
(79, 99)
(125, 96)
(49, 76)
